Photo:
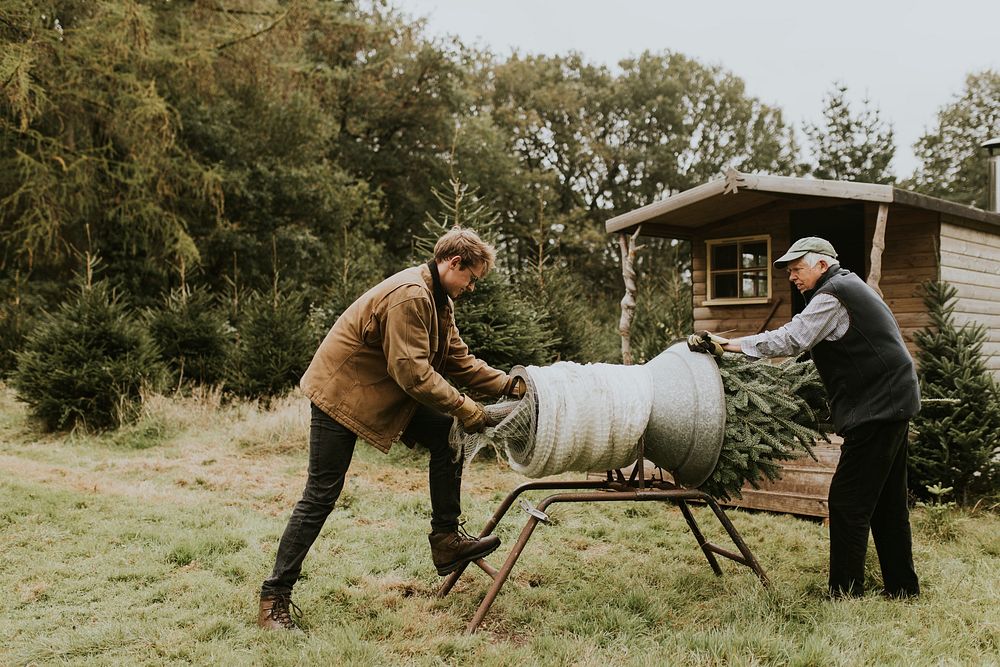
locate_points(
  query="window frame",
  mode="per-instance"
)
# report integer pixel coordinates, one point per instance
(710, 244)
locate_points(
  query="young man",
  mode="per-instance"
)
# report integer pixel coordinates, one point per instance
(872, 387)
(380, 375)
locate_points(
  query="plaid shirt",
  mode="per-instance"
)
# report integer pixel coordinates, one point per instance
(824, 318)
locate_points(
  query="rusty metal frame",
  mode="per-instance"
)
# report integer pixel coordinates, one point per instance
(615, 488)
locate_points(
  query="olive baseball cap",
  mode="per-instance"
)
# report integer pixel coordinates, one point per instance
(803, 246)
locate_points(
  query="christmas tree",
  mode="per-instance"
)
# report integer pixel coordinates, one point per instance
(88, 362)
(495, 321)
(957, 433)
(774, 412)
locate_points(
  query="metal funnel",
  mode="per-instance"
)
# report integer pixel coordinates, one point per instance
(688, 419)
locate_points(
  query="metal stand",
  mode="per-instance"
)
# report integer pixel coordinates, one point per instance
(612, 489)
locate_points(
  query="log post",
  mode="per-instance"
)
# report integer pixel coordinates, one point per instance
(628, 250)
(878, 246)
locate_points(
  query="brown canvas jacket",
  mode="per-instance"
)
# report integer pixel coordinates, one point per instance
(390, 350)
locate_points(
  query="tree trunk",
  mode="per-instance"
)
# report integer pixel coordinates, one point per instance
(878, 245)
(628, 249)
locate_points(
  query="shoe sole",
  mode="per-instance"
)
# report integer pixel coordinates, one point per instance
(451, 567)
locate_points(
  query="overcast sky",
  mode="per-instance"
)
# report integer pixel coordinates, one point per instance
(909, 57)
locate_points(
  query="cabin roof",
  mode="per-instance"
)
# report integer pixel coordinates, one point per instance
(678, 216)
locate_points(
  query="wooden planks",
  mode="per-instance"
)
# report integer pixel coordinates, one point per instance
(741, 319)
(803, 487)
(962, 276)
(970, 261)
(815, 187)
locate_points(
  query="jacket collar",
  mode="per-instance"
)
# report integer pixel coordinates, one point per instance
(831, 271)
(440, 296)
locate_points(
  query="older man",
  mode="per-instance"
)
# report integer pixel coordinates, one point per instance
(872, 387)
(380, 374)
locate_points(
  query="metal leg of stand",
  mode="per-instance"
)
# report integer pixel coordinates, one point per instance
(502, 510)
(501, 578)
(702, 542)
(748, 558)
(673, 494)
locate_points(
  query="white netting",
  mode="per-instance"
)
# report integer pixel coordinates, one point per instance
(572, 418)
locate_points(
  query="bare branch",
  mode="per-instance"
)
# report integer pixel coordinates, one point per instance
(260, 32)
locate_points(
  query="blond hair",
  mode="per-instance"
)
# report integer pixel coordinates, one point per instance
(466, 244)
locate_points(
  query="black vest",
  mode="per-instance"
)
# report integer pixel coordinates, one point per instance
(868, 374)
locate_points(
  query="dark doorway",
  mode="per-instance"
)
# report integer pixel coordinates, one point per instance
(843, 226)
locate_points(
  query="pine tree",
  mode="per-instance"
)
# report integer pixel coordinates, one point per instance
(87, 363)
(851, 147)
(957, 442)
(583, 323)
(274, 348)
(773, 413)
(194, 338)
(498, 325)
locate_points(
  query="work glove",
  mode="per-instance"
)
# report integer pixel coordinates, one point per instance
(703, 341)
(471, 415)
(516, 387)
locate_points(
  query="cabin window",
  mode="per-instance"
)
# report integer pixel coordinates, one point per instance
(739, 270)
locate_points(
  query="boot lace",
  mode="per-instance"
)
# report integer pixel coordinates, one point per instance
(285, 612)
(463, 535)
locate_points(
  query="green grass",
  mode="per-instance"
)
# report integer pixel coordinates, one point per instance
(148, 547)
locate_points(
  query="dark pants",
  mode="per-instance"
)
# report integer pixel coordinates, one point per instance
(868, 491)
(331, 446)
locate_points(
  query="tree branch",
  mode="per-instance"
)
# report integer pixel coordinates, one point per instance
(260, 32)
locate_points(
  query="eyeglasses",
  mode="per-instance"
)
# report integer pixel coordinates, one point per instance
(474, 279)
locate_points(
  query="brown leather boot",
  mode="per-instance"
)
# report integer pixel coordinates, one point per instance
(450, 550)
(276, 613)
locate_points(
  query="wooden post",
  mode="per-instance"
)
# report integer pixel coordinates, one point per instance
(878, 246)
(628, 249)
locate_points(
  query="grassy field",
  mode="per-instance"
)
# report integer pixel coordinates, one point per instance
(148, 547)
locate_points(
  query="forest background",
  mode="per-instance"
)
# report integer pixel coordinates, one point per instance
(265, 154)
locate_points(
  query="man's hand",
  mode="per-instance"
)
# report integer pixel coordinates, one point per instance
(703, 341)
(471, 415)
(515, 387)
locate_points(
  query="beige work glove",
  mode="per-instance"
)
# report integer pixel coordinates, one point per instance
(703, 341)
(471, 415)
(515, 387)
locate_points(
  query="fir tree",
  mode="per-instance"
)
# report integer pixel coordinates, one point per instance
(583, 322)
(87, 363)
(773, 413)
(194, 338)
(274, 348)
(957, 441)
(498, 325)
(849, 146)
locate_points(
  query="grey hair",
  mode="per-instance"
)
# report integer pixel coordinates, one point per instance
(812, 259)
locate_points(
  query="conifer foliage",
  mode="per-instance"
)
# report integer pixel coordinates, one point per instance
(12, 330)
(87, 363)
(193, 336)
(496, 322)
(957, 443)
(274, 348)
(773, 413)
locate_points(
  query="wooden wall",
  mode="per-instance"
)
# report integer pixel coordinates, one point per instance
(910, 257)
(742, 320)
(970, 260)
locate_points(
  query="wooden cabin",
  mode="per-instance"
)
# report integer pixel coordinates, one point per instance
(739, 224)
(897, 239)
